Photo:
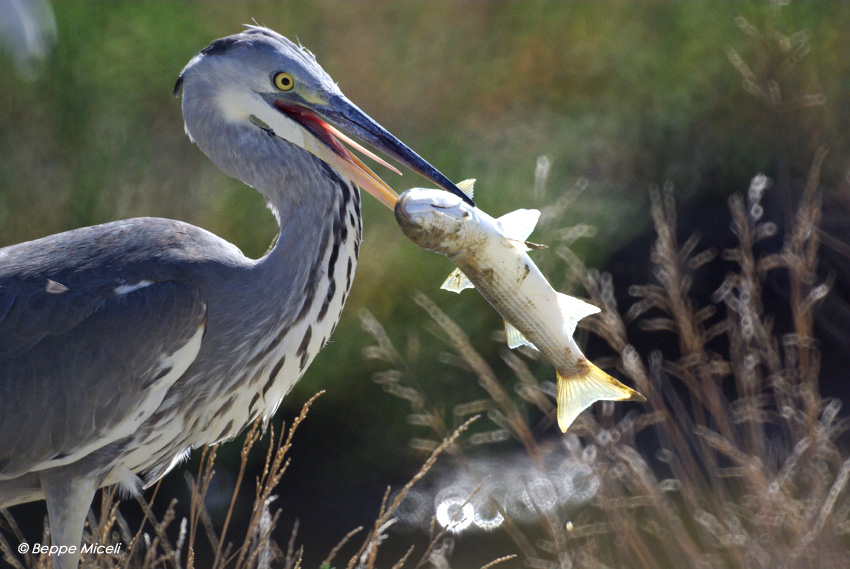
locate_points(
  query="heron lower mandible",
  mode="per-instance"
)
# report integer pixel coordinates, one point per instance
(125, 345)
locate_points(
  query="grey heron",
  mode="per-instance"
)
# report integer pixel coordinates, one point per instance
(125, 345)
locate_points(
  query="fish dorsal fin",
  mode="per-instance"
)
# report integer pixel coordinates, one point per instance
(456, 282)
(515, 337)
(467, 187)
(519, 224)
(573, 310)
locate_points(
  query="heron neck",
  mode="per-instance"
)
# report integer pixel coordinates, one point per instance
(319, 237)
(310, 199)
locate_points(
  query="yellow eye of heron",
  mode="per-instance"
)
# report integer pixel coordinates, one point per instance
(284, 81)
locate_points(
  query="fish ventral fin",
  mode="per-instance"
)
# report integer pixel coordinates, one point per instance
(456, 282)
(515, 337)
(578, 392)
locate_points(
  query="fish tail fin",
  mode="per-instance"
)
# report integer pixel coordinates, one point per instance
(579, 391)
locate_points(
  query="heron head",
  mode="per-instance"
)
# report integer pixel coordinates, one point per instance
(262, 79)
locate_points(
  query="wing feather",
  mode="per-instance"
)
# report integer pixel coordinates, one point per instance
(80, 368)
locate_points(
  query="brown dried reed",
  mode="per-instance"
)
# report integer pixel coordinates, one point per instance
(758, 479)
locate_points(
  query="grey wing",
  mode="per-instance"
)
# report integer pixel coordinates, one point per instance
(81, 369)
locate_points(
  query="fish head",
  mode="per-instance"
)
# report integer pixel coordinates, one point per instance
(434, 219)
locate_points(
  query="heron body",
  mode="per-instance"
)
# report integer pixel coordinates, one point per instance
(125, 345)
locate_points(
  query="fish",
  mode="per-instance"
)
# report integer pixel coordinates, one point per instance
(491, 256)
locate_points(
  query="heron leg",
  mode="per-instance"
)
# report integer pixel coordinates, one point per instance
(68, 502)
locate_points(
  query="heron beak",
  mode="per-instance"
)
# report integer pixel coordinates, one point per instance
(347, 116)
(330, 149)
(343, 114)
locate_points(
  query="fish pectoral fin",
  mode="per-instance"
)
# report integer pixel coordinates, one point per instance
(467, 187)
(456, 282)
(574, 309)
(519, 224)
(515, 337)
(578, 392)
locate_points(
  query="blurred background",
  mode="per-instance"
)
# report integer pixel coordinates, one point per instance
(536, 100)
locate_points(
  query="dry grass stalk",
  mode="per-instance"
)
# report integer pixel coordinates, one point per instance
(756, 480)
(368, 552)
(140, 550)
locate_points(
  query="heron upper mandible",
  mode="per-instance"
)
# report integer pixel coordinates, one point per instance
(125, 345)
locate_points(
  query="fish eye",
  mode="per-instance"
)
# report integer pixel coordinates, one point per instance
(283, 81)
